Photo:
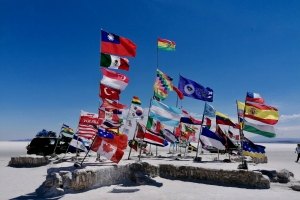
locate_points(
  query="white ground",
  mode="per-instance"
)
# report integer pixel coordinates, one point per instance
(21, 183)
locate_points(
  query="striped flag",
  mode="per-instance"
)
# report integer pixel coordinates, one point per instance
(87, 131)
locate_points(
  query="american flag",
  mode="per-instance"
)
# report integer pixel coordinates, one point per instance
(87, 131)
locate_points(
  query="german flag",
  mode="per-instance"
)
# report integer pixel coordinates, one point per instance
(136, 100)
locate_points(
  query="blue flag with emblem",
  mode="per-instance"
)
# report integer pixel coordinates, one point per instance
(105, 134)
(194, 90)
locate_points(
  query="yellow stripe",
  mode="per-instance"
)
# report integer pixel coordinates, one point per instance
(164, 44)
(241, 105)
(257, 155)
(263, 114)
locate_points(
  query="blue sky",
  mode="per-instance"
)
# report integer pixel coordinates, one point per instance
(49, 67)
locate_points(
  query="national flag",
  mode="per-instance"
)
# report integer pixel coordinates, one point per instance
(105, 134)
(153, 125)
(114, 62)
(165, 114)
(135, 145)
(169, 136)
(162, 85)
(194, 90)
(223, 119)
(87, 131)
(177, 131)
(136, 100)
(253, 150)
(208, 123)
(188, 129)
(191, 147)
(149, 136)
(241, 107)
(179, 93)
(262, 113)
(136, 112)
(78, 143)
(109, 124)
(188, 119)
(114, 44)
(164, 44)
(210, 138)
(254, 97)
(209, 111)
(264, 130)
(110, 93)
(67, 131)
(114, 79)
(237, 137)
(108, 115)
(88, 118)
(108, 150)
(228, 143)
(230, 134)
(109, 104)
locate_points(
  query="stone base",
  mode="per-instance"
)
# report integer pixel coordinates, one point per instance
(28, 161)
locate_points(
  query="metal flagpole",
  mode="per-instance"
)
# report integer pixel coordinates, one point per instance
(58, 139)
(200, 133)
(133, 139)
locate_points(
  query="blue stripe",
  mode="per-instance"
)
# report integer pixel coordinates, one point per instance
(166, 108)
(210, 134)
(164, 120)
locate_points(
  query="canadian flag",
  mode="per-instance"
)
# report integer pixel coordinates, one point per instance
(108, 150)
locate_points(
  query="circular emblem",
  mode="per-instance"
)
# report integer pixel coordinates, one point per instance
(189, 89)
(252, 111)
(139, 112)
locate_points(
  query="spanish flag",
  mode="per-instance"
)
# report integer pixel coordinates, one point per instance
(262, 113)
(136, 100)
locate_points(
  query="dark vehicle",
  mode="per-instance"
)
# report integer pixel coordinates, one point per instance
(45, 146)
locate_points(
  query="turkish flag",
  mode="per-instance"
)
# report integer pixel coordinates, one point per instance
(109, 93)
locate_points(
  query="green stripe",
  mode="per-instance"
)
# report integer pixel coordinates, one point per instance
(252, 129)
(105, 60)
(166, 48)
(149, 122)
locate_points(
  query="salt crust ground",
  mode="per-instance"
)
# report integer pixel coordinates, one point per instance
(21, 183)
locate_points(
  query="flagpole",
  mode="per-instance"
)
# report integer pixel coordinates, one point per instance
(57, 140)
(200, 133)
(87, 152)
(133, 138)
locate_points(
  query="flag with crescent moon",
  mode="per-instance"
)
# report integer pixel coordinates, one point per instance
(108, 92)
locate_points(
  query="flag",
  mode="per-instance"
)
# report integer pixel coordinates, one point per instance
(264, 130)
(78, 143)
(177, 131)
(108, 150)
(179, 93)
(209, 111)
(109, 104)
(136, 111)
(237, 137)
(221, 134)
(135, 145)
(164, 44)
(262, 113)
(230, 134)
(87, 131)
(109, 124)
(67, 131)
(114, 79)
(210, 138)
(188, 119)
(149, 136)
(110, 93)
(169, 136)
(191, 147)
(253, 150)
(114, 44)
(162, 85)
(88, 118)
(254, 97)
(108, 115)
(153, 125)
(114, 62)
(136, 100)
(165, 114)
(194, 90)
(105, 134)
(241, 107)
(223, 119)
(208, 123)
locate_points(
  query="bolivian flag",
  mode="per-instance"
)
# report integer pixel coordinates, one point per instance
(136, 100)
(166, 44)
(262, 113)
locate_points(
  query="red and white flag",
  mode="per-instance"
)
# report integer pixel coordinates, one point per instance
(149, 136)
(109, 104)
(110, 93)
(114, 79)
(108, 150)
(109, 115)
(87, 131)
(88, 118)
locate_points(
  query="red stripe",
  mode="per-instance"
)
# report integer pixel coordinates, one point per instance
(256, 100)
(266, 121)
(261, 107)
(165, 41)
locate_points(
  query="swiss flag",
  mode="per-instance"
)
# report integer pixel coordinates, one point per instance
(107, 149)
(110, 93)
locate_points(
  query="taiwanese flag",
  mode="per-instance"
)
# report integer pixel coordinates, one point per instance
(110, 93)
(117, 45)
